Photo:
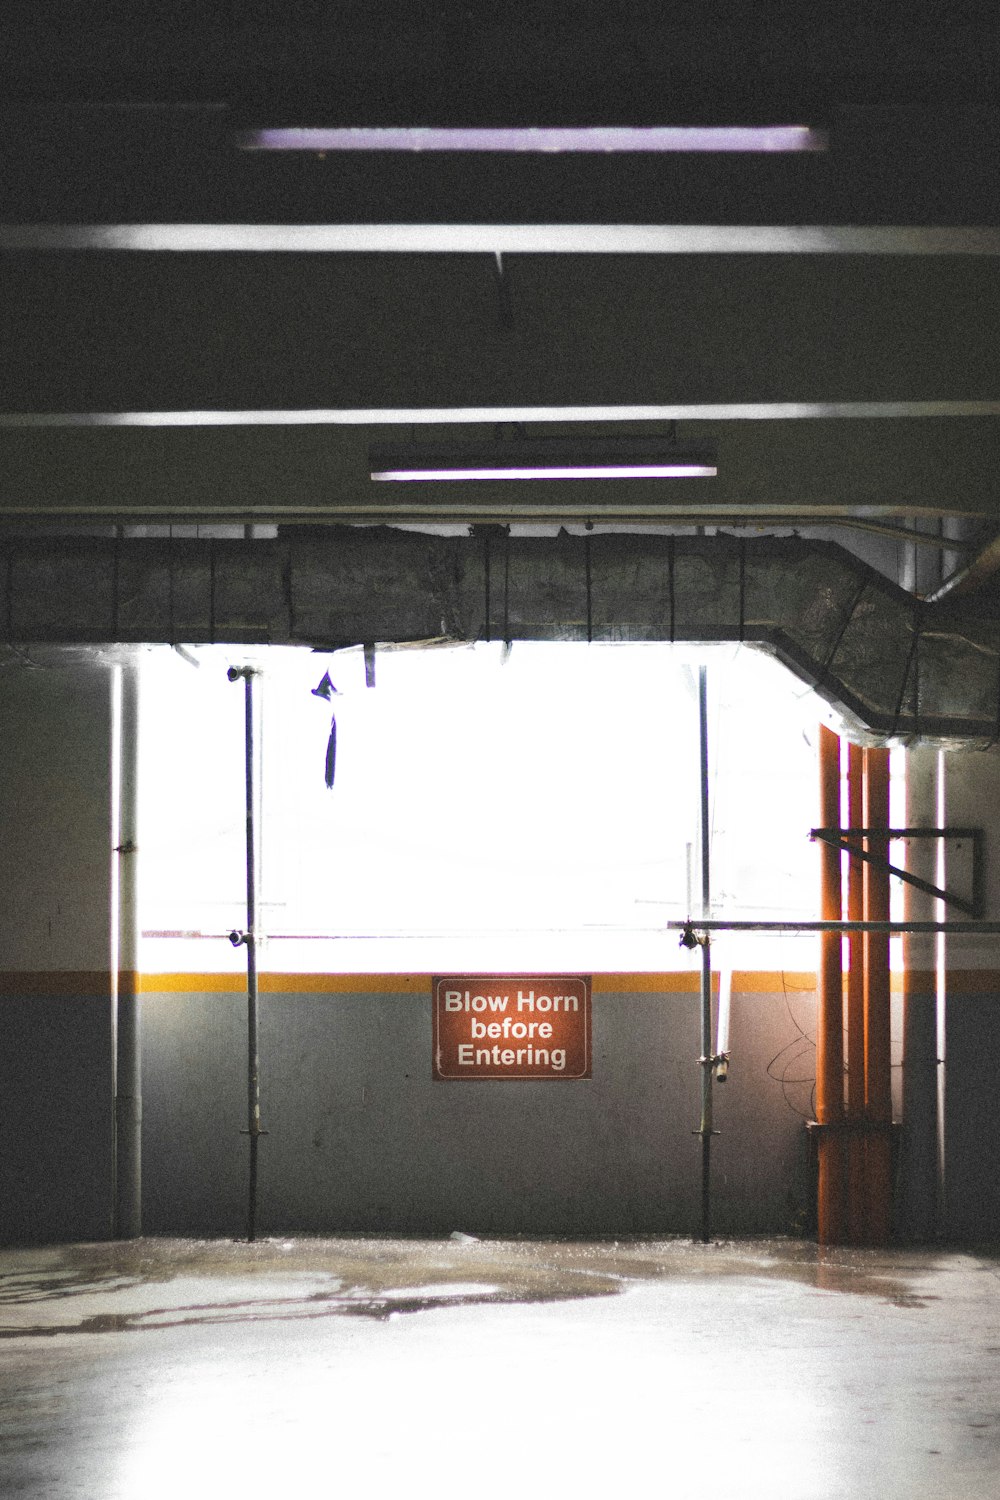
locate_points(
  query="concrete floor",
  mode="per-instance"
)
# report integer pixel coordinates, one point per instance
(314, 1368)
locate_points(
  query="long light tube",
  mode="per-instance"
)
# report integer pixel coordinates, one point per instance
(545, 140)
(546, 459)
(578, 471)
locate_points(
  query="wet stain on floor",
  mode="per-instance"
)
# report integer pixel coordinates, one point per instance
(288, 1309)
(145, 1370)
(381, 1278)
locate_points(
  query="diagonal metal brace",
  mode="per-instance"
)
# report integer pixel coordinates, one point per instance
(840, 839)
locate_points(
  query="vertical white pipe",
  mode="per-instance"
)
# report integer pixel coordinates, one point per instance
(725, 1005)
(941, 987)
(253, 1047)
(114, 797)
(128, 1087)
(707, 1068)
(251, 744)
(919, 1159)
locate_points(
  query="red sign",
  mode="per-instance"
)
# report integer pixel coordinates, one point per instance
(511, 1026)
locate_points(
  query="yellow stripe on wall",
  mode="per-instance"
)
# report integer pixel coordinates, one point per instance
(745, 982)
(187, 984)
(398, 984)
(95, 982)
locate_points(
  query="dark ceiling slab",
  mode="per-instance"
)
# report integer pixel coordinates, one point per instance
(462, 55)
(176, 332)
(136, 163)
(883, 470)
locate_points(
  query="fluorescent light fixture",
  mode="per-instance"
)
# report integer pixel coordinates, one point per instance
(538, 140)
(544, 459)
(576, 471)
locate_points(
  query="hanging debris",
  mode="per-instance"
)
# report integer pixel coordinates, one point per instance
(326, 690)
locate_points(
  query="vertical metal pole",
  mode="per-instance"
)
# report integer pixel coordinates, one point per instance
(830, 1008)
(854, 1204)
(253, 1057)
(128, 1087)
(249, 938)
(855, 942)
(878, 1077)
(918, 1166)
(941, 959)
(706, 1060)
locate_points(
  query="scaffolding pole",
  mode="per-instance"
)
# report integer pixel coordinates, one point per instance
(706, 1060)
(249, 939)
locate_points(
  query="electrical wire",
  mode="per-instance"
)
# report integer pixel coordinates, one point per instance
(802, 1043)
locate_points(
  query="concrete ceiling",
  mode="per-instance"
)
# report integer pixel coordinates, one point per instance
(830, 320)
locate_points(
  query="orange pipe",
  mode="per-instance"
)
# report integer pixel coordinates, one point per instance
(855, 913)
(830, 1006)
(878, 1066)
(854, 1213)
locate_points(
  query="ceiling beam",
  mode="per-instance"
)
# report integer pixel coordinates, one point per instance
(790, 471)
(437, 416)
(510, 239)
(191, 332)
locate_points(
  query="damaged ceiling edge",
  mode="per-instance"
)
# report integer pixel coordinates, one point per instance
(893, 668)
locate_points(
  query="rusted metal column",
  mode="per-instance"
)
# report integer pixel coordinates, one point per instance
(878, 1073)
(855, 1165)
(919, 1158)
(830, 1008)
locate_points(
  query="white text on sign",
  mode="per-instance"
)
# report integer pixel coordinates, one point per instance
(490, 1028)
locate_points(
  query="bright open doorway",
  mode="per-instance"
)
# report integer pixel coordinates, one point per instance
(495, 810)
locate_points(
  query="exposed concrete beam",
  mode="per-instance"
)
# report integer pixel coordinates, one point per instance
(777, 470)
(437, 416)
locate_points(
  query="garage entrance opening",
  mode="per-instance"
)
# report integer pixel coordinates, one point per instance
(531, 811)
(491, 809)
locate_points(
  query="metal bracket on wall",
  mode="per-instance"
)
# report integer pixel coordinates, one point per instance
(841, 838)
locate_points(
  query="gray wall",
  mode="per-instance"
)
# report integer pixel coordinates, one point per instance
(971, 1206)
(362, 1138)
(971, 1117)
(55, 993)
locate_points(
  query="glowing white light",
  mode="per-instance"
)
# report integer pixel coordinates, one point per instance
(547, 140)
(510, 239)
(535, 887)
(575, 471)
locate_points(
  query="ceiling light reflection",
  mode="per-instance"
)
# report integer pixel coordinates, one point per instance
(582, 1399)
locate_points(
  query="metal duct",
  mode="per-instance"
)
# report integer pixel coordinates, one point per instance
(894, 667)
